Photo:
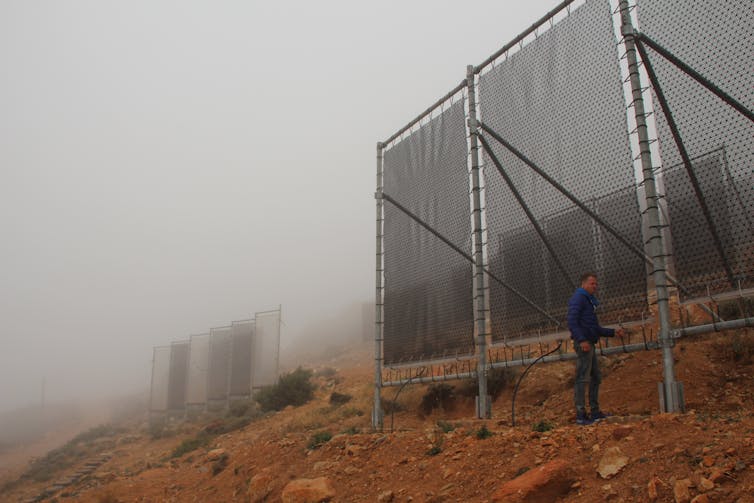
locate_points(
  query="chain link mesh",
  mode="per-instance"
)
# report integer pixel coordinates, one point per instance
(715, 39)
(428, 286)
(559, 101)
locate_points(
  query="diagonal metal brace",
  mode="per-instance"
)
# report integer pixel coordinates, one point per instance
(465, 255)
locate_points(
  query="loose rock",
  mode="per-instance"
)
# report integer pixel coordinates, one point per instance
(308, 491)
(547, 482)
(612, 462)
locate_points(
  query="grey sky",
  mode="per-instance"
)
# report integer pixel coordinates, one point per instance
(166, 167)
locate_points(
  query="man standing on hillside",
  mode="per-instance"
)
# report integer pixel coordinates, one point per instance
(585, 332)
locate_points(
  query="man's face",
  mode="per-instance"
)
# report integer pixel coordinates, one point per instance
(590, 285)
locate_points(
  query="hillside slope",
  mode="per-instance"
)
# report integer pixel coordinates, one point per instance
(446, 455)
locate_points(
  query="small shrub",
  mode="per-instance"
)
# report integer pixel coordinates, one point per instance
(483, 433)
(351, 431)
(319, 438)
(339, 398)
(294, 388)
(241, 408)
(189, 445)
(438, 396)
(498, 379)
(445, 426)
(542, 426)
(434, 450)
(437, 441)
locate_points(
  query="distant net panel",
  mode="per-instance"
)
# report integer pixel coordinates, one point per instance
(559, 101)
(716, 39)
(265, 349)
(219, 364)
(198, 370)
(240, 367)
(158, 401)
(179, 354)
(428, 309)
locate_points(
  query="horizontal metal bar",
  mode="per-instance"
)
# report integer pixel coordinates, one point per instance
(713, 327)
(719, 297)
(523, 35)
(629, 348)
(426, 112)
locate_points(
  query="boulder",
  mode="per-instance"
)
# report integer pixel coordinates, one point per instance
(545, 483)
(612, 462)
(681, 491)
(260, 487)
(308, 491)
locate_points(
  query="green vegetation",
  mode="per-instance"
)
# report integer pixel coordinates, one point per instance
(483, 433)
(438, 396)
(208, 433)
(434, 450)
(242, 408)
(191, 444)
(542, 426)
(318, 439)
(445, 426)
(294, 388)
(81, 446)
(339, 398)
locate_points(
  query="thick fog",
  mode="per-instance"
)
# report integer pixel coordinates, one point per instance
(167, 167)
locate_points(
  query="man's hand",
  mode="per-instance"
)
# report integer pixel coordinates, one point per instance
(619, 332)
(585, 346)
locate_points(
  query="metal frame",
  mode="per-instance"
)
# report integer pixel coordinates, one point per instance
(654, 253)
(481, 311)
(672, 393)
(377, 415)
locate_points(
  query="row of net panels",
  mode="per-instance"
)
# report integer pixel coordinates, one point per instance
(559, 100)
(227, 363)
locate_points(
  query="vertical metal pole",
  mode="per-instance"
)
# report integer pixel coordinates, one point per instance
(481, 310)
(377, 419)
(671, 396)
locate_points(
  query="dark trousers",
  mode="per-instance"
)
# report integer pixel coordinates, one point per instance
(587, 372)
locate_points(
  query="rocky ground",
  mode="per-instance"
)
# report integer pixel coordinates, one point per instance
(326, 450)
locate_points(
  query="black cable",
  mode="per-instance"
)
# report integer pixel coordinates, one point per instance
(515, 391)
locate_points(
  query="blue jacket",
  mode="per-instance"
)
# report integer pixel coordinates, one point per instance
(582, 320)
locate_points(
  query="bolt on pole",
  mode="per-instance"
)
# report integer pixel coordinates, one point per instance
(671, 391)
(481, 310)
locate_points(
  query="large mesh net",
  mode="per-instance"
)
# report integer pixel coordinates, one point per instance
(715, 39)
(219, 364)
(428, 286)
(559, 101)
(158, 400)
(265, 349)
(242, 333)
(179, 353)
(198, 370)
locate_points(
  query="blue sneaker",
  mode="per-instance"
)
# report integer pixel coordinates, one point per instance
(599, 416)
(583, 419)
